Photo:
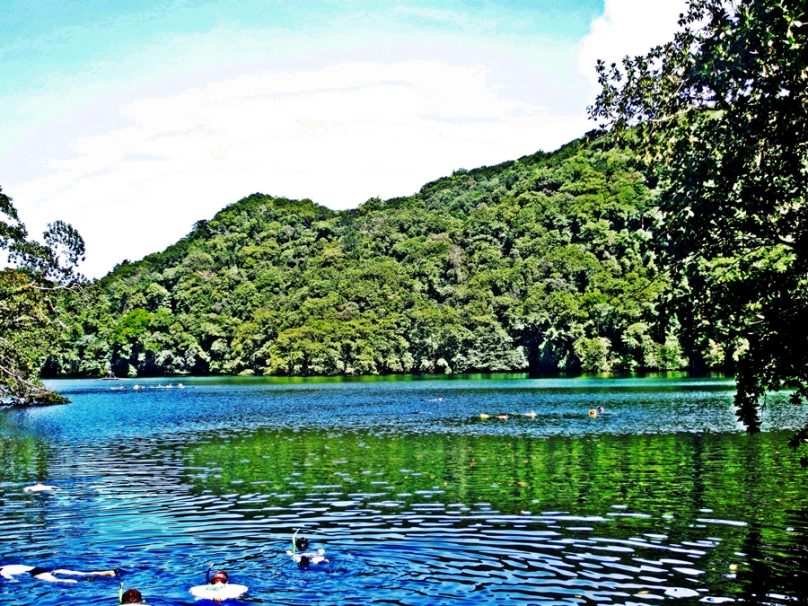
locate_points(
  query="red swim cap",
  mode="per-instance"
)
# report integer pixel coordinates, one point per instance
(220, 576)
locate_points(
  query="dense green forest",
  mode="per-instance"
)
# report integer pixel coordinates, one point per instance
(544, 263)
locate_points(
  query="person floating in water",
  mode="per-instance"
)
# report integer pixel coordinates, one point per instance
(38, 487)
(218, 588)
(130, 596)
(304, 558)
(52, 576)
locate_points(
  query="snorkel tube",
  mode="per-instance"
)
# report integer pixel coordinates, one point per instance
(120, 593)
(207, 574)
(294, 540)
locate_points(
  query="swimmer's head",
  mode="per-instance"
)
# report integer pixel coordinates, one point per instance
(220, 576)
(301, 543)
(131, 596)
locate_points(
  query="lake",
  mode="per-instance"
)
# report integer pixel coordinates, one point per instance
(415, 496)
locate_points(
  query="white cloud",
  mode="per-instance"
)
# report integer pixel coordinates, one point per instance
(627, 27)
(337, 135)
(133, 168)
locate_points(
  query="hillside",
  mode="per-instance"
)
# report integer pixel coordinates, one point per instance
(543, 263)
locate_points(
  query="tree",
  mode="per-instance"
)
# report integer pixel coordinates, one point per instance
(29, 290)
(720, 116)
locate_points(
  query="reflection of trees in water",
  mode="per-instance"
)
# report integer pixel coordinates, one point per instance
(662, 474)
(698, 473)
(775, 568)
(753, 479)
(679, 481)
(512, 473)
(23, 459)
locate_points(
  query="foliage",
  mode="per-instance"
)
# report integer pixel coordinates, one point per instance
(721, 116)
(543, 263)
(29, 293)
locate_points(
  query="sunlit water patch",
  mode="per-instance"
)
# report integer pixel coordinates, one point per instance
(416, 498)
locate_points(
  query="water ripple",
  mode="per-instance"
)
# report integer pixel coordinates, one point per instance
(438, 507)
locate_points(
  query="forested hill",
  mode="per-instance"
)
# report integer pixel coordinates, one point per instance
(542, 263)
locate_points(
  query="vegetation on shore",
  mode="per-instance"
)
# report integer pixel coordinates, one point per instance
(545, 263)
(32, 290)
(720, 114)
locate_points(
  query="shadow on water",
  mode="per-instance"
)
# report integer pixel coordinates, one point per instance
(428, 505)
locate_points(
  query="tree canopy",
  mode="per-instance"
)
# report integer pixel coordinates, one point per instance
(30, 299)
(540, 264)
(720, 115)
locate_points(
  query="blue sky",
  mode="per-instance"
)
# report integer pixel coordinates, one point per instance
(133, 120)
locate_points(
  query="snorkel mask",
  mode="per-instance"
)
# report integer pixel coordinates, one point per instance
(220, 576)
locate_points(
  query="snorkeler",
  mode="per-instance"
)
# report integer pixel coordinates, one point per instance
(130, 596)
(218, 587)
(52, 576)
(38, 487)
(302, 557)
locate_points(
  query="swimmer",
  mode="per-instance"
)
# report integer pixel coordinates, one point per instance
(593, 412)
(52, 576)
(38, 487)
(130, 596)
(304, 558)
(218, 588)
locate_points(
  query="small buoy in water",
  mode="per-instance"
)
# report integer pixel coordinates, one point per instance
(531, 414)
(593, 412)
(601, 410)
(38, 487)
(485, 417)
(733, 567)
(502, 417)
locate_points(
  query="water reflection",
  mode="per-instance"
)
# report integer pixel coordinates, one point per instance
(442, 510)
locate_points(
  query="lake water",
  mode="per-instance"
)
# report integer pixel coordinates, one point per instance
(662, 499)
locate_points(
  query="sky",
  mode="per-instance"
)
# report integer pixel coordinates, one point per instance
(133, 120)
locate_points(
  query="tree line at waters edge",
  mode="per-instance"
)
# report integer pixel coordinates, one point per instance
(546, 263)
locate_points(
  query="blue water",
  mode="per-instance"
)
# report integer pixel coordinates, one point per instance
(416, 498)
